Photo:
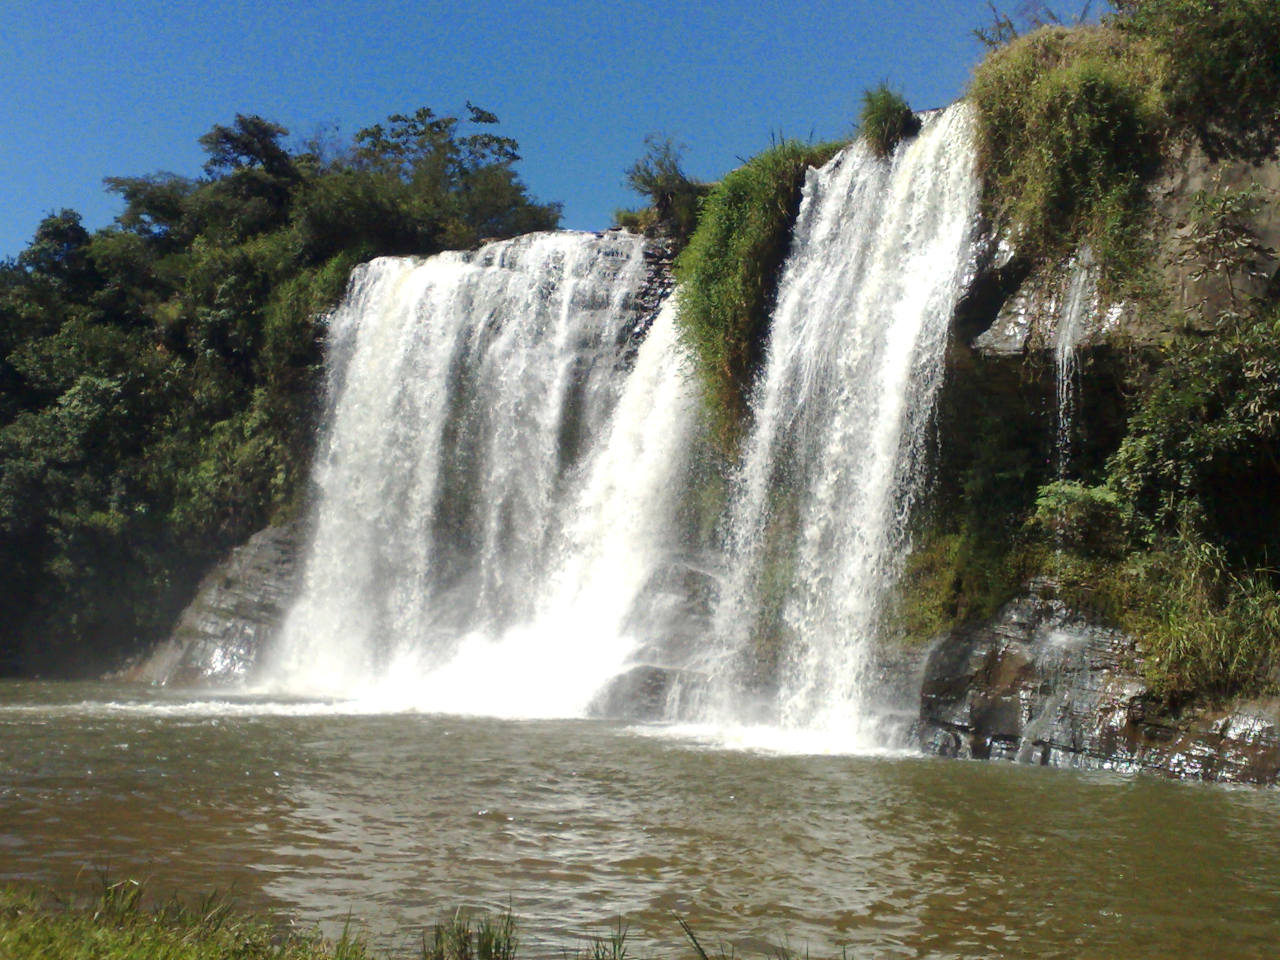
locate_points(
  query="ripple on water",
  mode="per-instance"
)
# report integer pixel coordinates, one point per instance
(400, 819)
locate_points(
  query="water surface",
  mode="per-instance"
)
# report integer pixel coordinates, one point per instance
(320, 810)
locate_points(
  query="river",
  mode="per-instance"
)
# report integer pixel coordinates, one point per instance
(322, 810)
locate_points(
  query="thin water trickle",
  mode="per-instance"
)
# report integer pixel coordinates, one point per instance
(1078, 305)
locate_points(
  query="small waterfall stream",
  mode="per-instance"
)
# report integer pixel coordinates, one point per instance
(1079, 303)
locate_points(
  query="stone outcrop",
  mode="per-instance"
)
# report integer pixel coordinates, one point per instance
(648, 693)
(238, 608)
(1039, 683)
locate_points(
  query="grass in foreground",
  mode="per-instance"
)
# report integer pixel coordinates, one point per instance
(119, 923)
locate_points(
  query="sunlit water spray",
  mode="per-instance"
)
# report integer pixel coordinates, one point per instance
(495, 486)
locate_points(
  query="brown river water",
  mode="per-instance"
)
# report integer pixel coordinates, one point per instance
(397, 819)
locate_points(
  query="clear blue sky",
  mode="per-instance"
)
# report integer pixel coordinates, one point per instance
(96, 88)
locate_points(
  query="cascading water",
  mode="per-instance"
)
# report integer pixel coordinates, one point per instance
(496, 483)
(841, 426)
(501, 484)
(1079, 303)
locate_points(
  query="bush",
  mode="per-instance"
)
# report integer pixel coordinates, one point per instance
(1223, 78)
(953, 578)
(1203, 444)
(1088, 520)
(1069, 126)
(729, 272)
(1205, 631)
(673, 195)
(886, 119)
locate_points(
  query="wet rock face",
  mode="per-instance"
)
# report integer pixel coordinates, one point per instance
(644, 692)
(237, 609)
(1040, 684)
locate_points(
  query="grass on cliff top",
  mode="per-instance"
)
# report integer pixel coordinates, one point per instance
(729, 273)
(1069, 132)
(1072, 122)
(885, 119)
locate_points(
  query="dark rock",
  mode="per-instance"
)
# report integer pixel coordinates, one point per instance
(237, 609)
(659, 282)
(647, 693)
(1041, 684)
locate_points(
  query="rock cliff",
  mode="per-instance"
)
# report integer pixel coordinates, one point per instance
(237, 608)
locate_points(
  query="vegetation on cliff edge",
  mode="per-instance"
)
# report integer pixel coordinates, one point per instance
(729, 271)
(1168, 527)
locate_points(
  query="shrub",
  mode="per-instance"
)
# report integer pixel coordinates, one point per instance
(729, 272)
(1069, 125)
(1204, 629)
(1203, 444)
(1223, 78)
(673, 195)
(886, 119)
(1088, 520)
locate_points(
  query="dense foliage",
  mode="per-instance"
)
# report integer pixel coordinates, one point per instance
(1222, 75)
(1068, 133)
(1168, 527)
(729, 271)
(158, 378)
(1072, 121)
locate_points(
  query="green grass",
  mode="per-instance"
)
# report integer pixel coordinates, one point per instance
(885, 119)
(728, 276)
(1069, 132)
(120, 921)
(1222, 82)
(952, 578)
(118, 925)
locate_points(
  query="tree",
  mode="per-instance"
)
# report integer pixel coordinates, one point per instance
(249, 142)
(673, 195)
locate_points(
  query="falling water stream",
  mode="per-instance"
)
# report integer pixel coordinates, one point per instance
(1078, 304)
(501, 484)
(842, 415)
(496, 482)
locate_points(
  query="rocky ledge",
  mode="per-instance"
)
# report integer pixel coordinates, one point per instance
(238, 607)
(1039, 683)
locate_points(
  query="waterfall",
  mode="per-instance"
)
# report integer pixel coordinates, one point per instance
(496, 483)
(508, 485)
(1079, 303)
(838, 451)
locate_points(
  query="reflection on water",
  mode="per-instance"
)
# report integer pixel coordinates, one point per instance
(400, 818)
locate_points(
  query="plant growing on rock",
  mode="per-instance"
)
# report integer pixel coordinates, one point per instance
(885, 119)
(729, 274)
(1068, 132)
(673, 195)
